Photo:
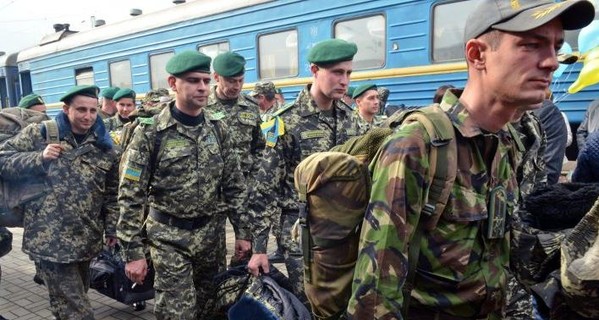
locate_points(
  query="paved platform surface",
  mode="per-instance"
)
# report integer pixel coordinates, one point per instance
(21, 298)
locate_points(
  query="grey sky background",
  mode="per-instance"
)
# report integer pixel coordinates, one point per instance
(25, 22)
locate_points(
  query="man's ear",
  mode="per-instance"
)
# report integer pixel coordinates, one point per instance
(475, 53)
(171, 83)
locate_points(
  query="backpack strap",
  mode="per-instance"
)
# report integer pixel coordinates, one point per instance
(52, 131)
(443, 170)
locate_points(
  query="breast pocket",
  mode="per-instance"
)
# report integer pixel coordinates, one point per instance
(314, 141)
(174, 160)
(95, 172)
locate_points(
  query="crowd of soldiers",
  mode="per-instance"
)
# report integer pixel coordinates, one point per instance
(210, 152)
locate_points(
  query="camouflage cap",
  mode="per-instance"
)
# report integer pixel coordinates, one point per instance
(124, 93)
(188, 61)
(155, 95)
(30, 100)
(525, 15)
(362, 89)
(229, 64)
(266, 87)
(109, 92)
(332, 51)
(83, 90)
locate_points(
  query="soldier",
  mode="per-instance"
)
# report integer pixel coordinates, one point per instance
(108, 105)
(179, 164)
(242, 116)
(366, 97)
(280, 97)
(155, 97)
(317, 121)
(125, 104)
(264, 93)
(463, 250)
(33, 102)
(63, 229)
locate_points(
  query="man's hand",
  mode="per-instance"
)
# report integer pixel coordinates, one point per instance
(258, 260)
(136, 270)
(52, 151)
(242, 249)
(111, 241)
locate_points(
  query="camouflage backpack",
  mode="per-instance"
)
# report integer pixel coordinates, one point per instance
(14, 193)
(334, 191)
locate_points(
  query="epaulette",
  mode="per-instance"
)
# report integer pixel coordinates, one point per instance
(250, 98)
(283, 109)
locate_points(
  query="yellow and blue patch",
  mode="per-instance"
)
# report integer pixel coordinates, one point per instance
(132, 173)
(272, 129)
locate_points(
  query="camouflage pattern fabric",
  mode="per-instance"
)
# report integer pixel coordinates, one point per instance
(194, 167)
(67, 285)
(247, 141)
(461, 271)
(114, 123)
(364, 126)
(530, 174)
(186, 261)
(81, 204)
(307, 130)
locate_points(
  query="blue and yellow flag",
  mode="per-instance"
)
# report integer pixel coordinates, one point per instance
(272, 129)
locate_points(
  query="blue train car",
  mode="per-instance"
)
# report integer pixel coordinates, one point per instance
(409, 46)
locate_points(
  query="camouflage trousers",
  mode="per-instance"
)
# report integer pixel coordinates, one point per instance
(294, 260)
(519, 302)
(186, 262)
(67, 285)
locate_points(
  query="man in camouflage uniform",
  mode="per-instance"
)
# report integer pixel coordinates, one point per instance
(464, 250)
(368, 105)
(242, 116)
(107, 104)
(64, 228)
(125, 104)
(264, 93)
(317, 121)
(179, 165)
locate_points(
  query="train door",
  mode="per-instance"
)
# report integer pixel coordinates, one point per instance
(25, 83)
(4, 102)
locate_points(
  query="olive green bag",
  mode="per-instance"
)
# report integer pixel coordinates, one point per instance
(334, 191)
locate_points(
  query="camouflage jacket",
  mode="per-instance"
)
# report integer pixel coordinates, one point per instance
(461, 271)
(194, 166)
(531, 169)
(114, 123)
(307, 130)
(243, 120)
(364, 126)
(68, 223)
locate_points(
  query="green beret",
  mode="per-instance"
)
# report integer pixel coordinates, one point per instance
(124, 93)
(109, 92)
(229, 64)
(188, 61)
(30, 100)
(85, 90)
(279, 91)
(350, 91)
(363, 88)
(332, 51)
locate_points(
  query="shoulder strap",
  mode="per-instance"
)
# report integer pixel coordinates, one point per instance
(443, 170)
(52, 131)
(218, 130)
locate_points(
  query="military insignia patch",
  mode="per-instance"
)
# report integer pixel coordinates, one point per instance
(271, 130)
(133, 174)
(247, 116)
(312, 134)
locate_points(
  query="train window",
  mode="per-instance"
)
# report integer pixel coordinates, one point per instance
(120, 74)
(278, 54)
(213, 50)
(84, 76)
(449, 20)
(158, 73)
(369, 35)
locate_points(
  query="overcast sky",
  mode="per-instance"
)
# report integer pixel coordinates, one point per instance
(25, 22)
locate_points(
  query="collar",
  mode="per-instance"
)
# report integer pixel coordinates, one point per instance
(308, 107)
